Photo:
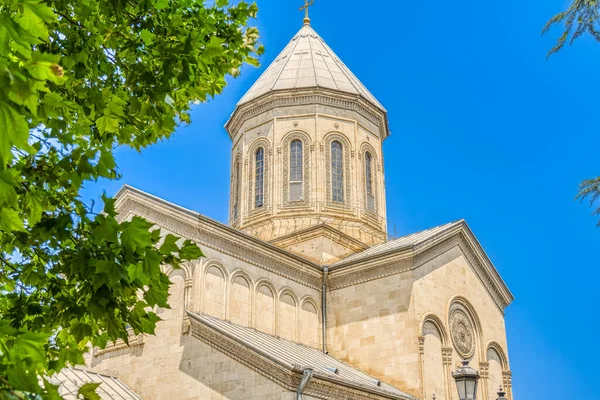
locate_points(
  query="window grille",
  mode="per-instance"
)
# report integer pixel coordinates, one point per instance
(259, 178)
(337, 172)
(296, 170)
(369, 182)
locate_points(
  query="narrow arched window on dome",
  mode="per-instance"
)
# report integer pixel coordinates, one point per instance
(259, 178)
(337, 172)
(369, 182)
(296, 170)
(237, 189)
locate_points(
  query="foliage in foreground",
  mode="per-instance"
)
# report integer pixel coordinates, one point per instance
(78, 79)
(590, 190)
(582, 16)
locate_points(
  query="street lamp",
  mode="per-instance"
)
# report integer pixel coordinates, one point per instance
(466, 381)
(501, 394)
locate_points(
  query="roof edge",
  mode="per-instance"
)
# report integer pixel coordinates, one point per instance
(412, 250)
(274, 95)
(295, 369)
(129, 192)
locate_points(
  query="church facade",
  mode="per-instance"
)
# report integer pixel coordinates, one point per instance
(302, 294)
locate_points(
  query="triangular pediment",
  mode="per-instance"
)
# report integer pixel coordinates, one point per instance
(321, 244)
(413, 251)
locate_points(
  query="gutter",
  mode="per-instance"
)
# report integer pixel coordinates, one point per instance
(324, 307)
(307, 374)
(379, 391)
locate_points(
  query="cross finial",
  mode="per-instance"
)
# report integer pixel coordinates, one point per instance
(305, 8)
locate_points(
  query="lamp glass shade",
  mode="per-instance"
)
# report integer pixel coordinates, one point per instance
(462, 389)
(471, 388)
(466, 381)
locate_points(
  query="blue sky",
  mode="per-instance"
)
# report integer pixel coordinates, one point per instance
(483, 128)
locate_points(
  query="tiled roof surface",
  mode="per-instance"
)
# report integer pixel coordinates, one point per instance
(299, 356)
(308, 62)
(402, 242)
(111, 388)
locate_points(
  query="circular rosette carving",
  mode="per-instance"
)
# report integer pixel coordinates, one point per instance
(462, 332)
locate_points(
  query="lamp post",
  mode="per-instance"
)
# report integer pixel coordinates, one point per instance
(501, 394)
(466, 381)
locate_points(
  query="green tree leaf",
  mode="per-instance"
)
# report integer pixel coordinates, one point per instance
(88, 391)
(135, 234)
(15, 132)
(80, 79)
(107, 123)
(10, 220)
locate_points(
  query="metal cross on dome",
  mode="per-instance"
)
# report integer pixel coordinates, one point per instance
(305, 8)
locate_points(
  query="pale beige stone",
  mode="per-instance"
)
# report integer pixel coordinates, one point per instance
(393, 316)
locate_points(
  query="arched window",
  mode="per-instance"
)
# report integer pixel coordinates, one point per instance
(296, 170)
(337, 172)
(237, 189)
(369, 182)
(259, 180)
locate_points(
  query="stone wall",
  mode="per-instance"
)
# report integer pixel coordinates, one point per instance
(172, 365)
(230, 289)
(407, 329)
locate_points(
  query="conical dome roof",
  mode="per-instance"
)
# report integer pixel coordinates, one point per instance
(307, 62)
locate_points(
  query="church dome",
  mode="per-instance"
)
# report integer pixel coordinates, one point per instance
(307, 62)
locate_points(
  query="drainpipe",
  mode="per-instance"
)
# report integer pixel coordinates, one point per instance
(306, 377)
(324, 307)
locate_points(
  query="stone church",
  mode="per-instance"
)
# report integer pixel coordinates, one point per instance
(302, 294)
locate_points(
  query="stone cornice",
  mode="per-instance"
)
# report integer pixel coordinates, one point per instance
(358, 273)
(215, 235)
(281, 372)
(411, 257)
(120, 344)
(310, 96)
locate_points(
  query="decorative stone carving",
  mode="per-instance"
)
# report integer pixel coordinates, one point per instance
(236, 186)
(484, 370)
(462, 333)
(447, 355)
(134, 340)
(279, 100)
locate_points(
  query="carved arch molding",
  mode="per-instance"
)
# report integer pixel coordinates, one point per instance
(364, 148)
(268, 152)
(346, 149)
(306, 145)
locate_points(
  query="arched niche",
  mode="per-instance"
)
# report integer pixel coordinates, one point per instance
(433, 342)
(213, 290)
(497, 366)
(310, 323)
(240, 298)
(264, 307)
(288, 314)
